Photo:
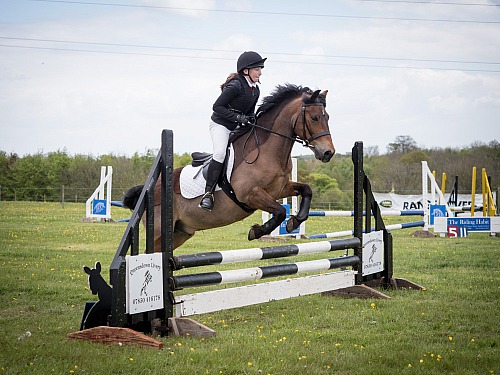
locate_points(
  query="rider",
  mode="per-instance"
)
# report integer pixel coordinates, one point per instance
(234, 107)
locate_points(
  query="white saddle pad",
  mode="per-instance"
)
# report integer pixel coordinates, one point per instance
(193, 183)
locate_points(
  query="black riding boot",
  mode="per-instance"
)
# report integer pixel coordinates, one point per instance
(213, 173)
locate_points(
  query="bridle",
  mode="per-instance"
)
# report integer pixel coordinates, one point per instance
(305, 128)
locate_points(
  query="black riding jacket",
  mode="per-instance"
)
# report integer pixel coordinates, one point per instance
(236, 98)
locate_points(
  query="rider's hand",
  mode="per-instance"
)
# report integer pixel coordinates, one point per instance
(244, 120)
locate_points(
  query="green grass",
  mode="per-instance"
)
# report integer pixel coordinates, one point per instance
(451, 328)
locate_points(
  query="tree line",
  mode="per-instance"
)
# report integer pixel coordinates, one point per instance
(47, 176)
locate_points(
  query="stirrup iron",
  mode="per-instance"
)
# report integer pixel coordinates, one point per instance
(207, 201)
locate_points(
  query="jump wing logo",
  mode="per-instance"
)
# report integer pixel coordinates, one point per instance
(147, 279)
(99, 207)
(374, 250)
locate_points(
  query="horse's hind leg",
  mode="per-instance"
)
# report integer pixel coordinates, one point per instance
(259, 199)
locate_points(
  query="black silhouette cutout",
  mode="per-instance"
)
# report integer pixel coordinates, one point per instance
(96, 313)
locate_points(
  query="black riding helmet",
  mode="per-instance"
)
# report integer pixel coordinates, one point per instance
(248, 60)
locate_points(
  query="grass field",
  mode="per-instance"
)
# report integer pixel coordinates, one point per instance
(453, 327)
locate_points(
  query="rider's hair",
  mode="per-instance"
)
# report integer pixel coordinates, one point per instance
(229, 78)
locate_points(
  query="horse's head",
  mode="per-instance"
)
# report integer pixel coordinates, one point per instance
(95, 279)
(311, 125)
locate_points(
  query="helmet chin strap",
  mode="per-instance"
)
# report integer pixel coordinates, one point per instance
(248, 75)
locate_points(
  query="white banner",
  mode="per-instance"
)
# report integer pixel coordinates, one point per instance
(391, 201)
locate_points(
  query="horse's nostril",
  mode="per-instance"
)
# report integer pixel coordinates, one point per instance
(328, 155)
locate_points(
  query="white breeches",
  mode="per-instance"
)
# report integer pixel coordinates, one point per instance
(220, 138)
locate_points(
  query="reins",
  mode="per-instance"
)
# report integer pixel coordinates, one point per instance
(305, 127)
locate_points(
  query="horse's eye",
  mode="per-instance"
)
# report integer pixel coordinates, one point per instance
(314, 118)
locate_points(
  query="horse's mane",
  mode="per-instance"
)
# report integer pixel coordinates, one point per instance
(280, 95)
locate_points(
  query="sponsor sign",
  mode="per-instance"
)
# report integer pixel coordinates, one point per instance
(460, 226)
(144, 283)
(401, 202)
(373, 252)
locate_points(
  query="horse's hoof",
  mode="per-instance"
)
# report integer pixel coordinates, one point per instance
(292, 224)
(254, 233)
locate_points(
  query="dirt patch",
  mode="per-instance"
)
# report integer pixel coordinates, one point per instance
(423, 233)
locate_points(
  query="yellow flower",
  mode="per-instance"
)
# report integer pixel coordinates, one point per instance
(249, 363)
(450, 338)
(372, 305)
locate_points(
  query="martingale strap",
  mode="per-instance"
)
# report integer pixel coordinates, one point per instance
(228, 189)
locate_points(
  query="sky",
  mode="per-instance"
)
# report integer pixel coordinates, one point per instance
(104, 77)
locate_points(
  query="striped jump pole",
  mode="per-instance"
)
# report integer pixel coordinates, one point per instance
(383, 213)
(244, 255)
(257, 273)
(350, 232)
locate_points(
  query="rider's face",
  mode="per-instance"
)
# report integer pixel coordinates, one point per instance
(254, 74)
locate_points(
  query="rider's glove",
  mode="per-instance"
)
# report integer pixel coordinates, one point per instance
(245, 120)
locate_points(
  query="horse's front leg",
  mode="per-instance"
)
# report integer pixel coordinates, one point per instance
(260, 199)
(304, 190)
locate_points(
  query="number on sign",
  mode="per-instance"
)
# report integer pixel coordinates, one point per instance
(456, 231)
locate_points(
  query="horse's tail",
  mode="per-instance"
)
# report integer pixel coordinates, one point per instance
(131, 197)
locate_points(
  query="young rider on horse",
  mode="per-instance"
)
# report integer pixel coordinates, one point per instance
(234, 107)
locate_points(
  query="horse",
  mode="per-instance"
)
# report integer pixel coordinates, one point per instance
(261, 170)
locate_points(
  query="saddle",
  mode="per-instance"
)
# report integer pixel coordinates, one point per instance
(202, 159)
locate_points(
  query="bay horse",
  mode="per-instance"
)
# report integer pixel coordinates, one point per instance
(261, 170)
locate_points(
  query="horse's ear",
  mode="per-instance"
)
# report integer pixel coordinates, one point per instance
(98, 266)
(87, 270)
(323, 93)
(314, 96)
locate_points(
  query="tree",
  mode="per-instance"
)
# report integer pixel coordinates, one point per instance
(31, 181)
(326, 190)
(402, 144)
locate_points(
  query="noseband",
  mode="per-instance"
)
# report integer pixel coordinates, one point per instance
(305, 127)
